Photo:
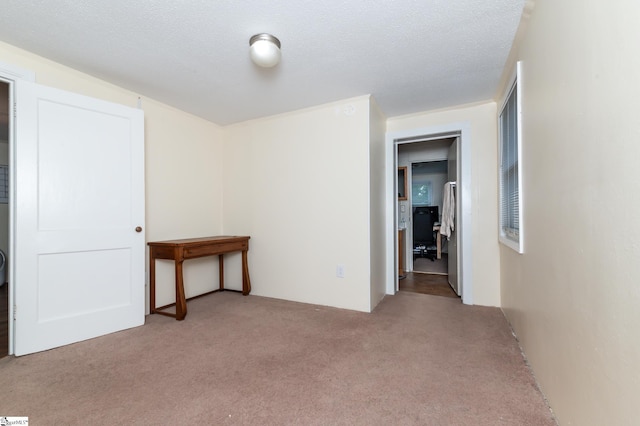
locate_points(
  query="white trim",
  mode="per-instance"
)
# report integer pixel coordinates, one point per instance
(514, 80)
(10, 73)
(392, 139)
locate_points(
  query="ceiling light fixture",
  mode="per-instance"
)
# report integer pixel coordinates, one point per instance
(265, 50)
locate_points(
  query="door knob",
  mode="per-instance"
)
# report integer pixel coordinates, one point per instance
(138, 228)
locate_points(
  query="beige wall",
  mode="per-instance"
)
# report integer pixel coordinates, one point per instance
(485, 268)
(377, 128)
(573, 297)
(298, 183)
(183, 165)
(184, 191)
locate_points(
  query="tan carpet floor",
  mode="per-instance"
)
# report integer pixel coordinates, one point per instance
(416, 360)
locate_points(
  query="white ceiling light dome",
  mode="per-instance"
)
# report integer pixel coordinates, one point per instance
(265, 50)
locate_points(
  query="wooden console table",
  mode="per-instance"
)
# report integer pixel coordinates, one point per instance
(191, 248)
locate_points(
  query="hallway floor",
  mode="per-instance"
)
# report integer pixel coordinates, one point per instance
(434, 284)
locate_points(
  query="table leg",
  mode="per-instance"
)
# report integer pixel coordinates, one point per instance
(438, 244)
(221, 271)
(181, 303)
(246, 281)
(152, 282)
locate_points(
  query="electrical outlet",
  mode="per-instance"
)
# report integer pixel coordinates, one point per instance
(340, 271)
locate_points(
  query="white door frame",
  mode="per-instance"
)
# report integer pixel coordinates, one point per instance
(9, 74)
(392, 140)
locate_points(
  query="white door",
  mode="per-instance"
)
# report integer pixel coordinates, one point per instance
(453, 239)
(79, 179)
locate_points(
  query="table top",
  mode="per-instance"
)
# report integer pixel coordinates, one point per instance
(199, 240)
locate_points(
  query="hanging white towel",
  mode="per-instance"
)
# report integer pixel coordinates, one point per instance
(448, 210)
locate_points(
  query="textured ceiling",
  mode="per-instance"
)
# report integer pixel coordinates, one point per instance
(411, 55)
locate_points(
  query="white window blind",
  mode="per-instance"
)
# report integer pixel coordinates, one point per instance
(510, 181)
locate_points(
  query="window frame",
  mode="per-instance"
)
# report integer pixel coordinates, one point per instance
(514, 88)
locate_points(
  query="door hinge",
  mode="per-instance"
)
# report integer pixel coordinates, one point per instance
(15, 312)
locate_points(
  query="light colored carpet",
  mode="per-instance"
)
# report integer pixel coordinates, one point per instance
(416, 360)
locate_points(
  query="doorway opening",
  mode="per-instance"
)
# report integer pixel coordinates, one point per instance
(4, 217)
(431, 169)
(460, 163)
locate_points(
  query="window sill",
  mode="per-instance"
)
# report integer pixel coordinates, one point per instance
(513, 245)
